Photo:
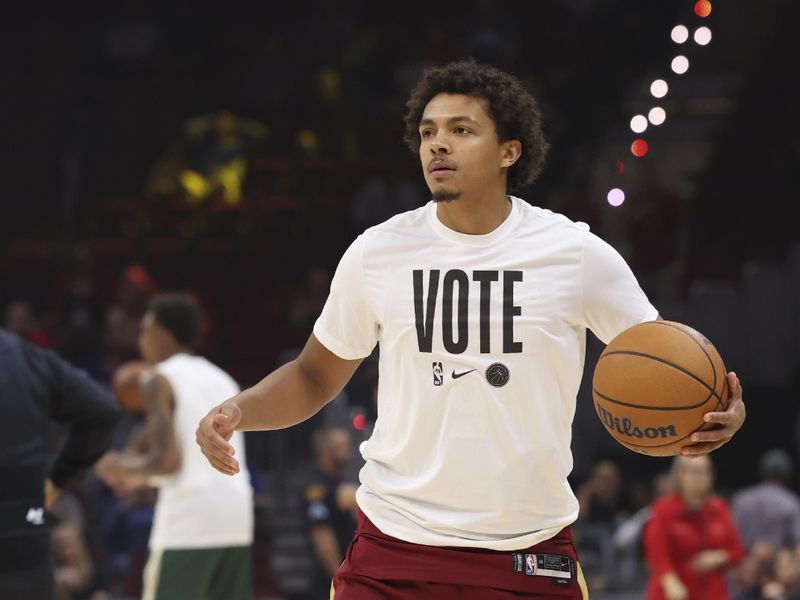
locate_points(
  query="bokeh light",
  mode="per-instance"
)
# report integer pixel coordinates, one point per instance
(702, 36)
(620, 167)
(639, 147)
(680, 64)
(679, 34)
(702, 8)
(616, 197)
(659, 88)
(657, 115)
(639, 123)
(359, 422)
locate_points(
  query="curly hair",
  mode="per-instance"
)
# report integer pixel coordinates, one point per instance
(513, 109)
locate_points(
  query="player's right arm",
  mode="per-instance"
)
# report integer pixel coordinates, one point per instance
(291, 394)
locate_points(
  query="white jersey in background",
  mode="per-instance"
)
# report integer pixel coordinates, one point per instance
(199, 507)
(482, 342)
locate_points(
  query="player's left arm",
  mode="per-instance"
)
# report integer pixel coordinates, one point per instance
(611, 298)
(153, 449)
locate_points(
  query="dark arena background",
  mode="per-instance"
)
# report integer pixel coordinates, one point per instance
(236, 152)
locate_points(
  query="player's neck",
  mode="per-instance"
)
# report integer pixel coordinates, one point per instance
(477, 214)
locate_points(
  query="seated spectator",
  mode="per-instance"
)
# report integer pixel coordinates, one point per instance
(600, 497)
(124, 316)
(786, 583)
(601, 501)
(73, 566)
(329, 507)
(769, 512)
(690, 538)
(768, 516)
(21, 321)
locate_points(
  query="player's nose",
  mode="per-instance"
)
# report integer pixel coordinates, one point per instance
(438, 146)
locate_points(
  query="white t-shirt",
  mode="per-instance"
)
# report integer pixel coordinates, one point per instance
(482, 341)
(199, 507)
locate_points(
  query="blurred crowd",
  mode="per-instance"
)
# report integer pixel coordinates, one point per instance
(674, 537)
(667, 533)
(100, 533)
(292, 133)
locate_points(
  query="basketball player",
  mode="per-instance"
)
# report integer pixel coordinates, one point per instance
(480, 303)
(202, 530)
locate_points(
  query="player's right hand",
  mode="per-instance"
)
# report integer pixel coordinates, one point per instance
(213, 436)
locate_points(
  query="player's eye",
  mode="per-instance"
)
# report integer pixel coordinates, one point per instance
(462, 130)
(426, 133)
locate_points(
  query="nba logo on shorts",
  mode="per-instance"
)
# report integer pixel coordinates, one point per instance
(438, 377)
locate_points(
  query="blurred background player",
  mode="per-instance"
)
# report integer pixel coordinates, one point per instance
(329, 502)
(463, 476)
(37, 389)
(203, 526)
(691, 538)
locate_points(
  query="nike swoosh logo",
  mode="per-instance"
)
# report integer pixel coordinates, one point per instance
(455, 375)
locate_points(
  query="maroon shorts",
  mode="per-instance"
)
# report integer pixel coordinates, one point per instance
(379, 567)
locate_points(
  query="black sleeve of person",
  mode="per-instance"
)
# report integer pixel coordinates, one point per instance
(89, 411)
(317, 499)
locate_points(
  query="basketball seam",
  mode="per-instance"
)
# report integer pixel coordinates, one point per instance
(620, 402)
(699, 345)
(668, 363)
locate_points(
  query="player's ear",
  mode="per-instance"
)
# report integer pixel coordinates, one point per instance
(510, 150)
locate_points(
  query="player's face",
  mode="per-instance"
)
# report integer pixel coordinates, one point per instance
(151, 338)
(459, 148)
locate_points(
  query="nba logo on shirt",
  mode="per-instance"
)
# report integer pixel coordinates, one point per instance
(438, 377)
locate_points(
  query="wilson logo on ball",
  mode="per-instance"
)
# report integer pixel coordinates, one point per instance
(626, 427)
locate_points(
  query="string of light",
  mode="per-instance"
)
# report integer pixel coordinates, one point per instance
(659, 89)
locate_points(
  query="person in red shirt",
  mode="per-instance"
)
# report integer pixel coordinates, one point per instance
(690, 538)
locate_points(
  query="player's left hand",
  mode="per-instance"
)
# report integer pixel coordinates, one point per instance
(728, 423)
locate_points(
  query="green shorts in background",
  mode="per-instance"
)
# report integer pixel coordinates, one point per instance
(199, 574)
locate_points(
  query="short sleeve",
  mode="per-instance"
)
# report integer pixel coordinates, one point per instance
(348, 326)
(612, 298)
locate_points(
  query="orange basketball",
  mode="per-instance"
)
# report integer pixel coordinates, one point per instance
(653, 384)
(125, 384)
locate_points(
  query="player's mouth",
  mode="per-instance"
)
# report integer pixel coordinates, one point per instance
(441, 169)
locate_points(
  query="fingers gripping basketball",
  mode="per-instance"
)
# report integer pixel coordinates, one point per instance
(653, 384)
